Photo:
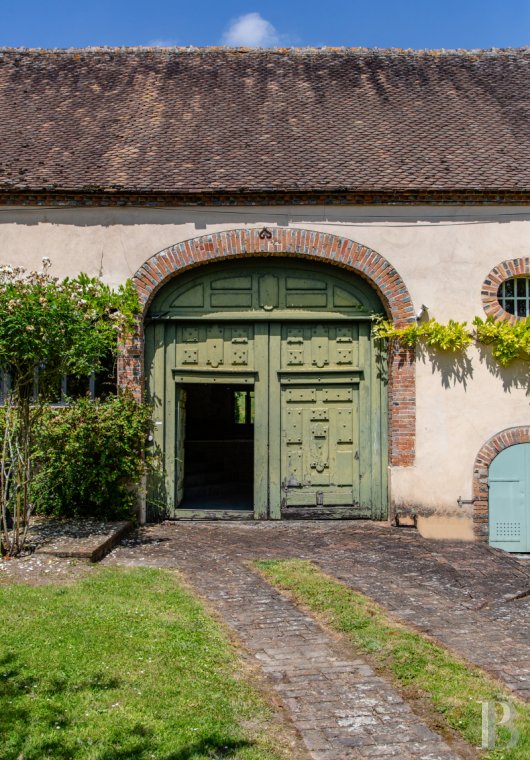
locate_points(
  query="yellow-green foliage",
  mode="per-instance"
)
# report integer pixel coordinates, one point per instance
(509, 341)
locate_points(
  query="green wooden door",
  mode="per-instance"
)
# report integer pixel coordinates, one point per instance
(509, 499)
(320, 446)
(184, 354)
(329, 433)
(300, 336)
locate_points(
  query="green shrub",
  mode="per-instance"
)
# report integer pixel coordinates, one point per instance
(88, 456)
(48, 328)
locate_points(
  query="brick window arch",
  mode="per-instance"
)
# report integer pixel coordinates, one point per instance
(338, 251)
(486, 455)
(499, 274)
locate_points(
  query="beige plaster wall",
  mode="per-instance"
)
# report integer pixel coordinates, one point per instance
(442, 254)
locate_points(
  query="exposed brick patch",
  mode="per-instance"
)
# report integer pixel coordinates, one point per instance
(341, 252)
(130, 363)
(486, 455)
(402, 403)
(490, 287)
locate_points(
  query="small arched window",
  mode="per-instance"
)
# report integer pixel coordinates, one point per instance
(514, 296)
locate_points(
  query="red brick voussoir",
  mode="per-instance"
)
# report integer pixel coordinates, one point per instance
(490, 287)
(332, 249)
(486, 455)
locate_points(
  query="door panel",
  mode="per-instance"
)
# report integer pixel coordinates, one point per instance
(330, 423)
(213, 346)
(320, 447)
(509, 499)
(320, 346)
(265, 288)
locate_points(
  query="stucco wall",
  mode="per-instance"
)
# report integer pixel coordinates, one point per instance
(442, 254)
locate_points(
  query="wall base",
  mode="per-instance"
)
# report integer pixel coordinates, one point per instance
(446, 527)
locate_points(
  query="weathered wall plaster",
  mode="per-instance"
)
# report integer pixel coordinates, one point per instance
(442, 254)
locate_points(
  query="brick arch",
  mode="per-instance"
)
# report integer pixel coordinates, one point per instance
(488, 452)
(490, 287)
(317, 246)
(240, 243)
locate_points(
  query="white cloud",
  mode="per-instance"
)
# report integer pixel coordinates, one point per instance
(161, 43)
(251, 30)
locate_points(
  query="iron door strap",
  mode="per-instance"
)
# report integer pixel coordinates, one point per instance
(291, 482)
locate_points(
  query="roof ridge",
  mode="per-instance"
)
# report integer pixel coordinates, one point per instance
(306, 50)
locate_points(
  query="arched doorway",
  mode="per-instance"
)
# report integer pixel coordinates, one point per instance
(509, 499)
(270, 398)
(501, 493)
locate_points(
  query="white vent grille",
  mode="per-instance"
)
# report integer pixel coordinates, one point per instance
(507, 531)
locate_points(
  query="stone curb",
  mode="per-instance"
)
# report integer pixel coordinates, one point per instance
(92, 548)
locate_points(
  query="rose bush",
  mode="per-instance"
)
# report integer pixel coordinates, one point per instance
(48, 328)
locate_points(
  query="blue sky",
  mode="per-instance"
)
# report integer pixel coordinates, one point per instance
(379, 23)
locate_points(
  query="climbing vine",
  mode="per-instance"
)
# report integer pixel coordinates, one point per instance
(509, 341)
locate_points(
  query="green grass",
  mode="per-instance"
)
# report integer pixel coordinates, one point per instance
(419, 668)
(124, 664)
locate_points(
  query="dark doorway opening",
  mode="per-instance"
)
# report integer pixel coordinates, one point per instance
(219, 447)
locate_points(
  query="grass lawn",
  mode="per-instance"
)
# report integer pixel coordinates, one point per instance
(420, 669)
(125, 664)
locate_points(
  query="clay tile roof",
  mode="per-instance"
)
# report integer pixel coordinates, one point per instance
(196, 120)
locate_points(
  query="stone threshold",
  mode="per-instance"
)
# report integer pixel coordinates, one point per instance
(78, 539)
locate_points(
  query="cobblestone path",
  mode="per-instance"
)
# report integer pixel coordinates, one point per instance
(465, 595)
(473, 599)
